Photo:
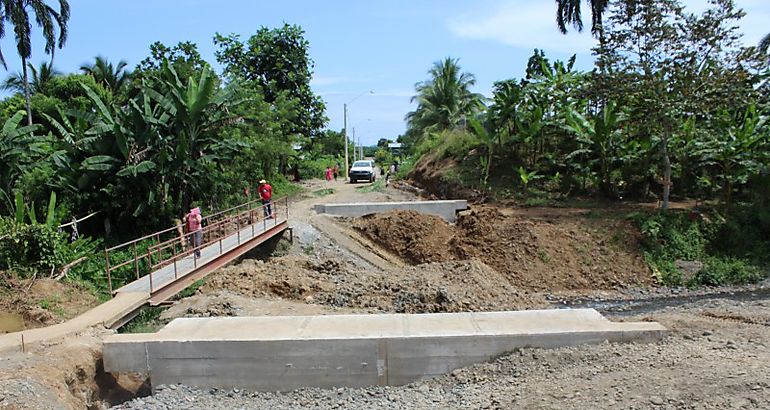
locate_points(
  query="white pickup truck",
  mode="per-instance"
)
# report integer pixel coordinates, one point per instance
(362, 170)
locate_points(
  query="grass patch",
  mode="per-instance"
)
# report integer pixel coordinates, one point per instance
(376, 186)
(147, 321)
(322, 192)
(191, 290)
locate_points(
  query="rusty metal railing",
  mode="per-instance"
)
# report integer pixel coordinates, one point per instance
(146, 255)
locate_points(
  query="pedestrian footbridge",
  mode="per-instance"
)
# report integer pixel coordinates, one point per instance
(154, 268)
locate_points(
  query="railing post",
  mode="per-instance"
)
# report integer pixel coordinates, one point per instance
(109, 276)
(149, 266)
(136, 262)
(160, 251)
(238, 226)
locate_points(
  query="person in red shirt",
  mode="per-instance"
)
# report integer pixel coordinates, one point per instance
(266, 195)
(194, 220)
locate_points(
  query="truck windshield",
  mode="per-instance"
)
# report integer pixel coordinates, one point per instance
(359, 164)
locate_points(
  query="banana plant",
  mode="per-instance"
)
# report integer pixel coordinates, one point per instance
(526, 177)
(599, 136)
(24, 212)
(489, 140)
(739, 153)
(20, 150)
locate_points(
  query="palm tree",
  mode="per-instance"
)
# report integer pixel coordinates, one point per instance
(568, 13)
(445, 99)
(112, 77)
(16, 13)
(764, 44)
(39, 80)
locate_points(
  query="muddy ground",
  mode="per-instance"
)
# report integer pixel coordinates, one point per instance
(491, 259)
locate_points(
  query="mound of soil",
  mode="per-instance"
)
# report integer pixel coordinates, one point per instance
(418, 238)
(534, 254)
(453, 286)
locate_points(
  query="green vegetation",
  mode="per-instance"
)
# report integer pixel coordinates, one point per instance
(598, 133)
(147, 321)
(323, 192)
(694, 237)
(134, 150)
(377, 186)
(675, 108)
(191, 290)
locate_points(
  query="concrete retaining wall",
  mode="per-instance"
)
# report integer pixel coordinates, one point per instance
(445, 209)
(285, 353)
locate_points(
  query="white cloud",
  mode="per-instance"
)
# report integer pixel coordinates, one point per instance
(525, 25)
(532, 24)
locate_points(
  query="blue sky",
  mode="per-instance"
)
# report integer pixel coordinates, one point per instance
(358, 46)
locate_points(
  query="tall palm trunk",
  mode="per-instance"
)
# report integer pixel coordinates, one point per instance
(26, 90)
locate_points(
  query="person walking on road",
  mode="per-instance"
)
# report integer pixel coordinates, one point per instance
(194, 226)
(328, 174)
(266, 195)
(336, 170)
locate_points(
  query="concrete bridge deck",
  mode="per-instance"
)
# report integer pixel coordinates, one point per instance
(445, 209)
(285, 353)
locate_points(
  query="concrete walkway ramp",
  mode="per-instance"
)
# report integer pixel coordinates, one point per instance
(284, 353)
(445, 209)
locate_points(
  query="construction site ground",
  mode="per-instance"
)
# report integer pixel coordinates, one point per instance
(494, 257)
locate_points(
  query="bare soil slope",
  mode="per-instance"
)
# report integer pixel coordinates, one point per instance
(43, 302)
(532, 253)
(451, 286)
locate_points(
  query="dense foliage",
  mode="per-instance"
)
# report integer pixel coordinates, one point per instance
(675, 108)
(133, 150)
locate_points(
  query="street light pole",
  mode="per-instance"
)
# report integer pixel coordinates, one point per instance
(345, 131)
(345, 128)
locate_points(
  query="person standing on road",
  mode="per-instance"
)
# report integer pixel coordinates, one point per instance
(266, 195)
(336, 170)
(328, 174)
(194, 226)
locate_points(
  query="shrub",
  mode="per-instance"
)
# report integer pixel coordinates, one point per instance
(30, 248)
(668, 236)
(731, 271)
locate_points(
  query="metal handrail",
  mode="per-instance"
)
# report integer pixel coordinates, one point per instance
(217, 228)
(207, 217)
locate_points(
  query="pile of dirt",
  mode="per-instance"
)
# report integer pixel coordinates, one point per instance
(541, 254)
(415, 237)
(453, 286)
